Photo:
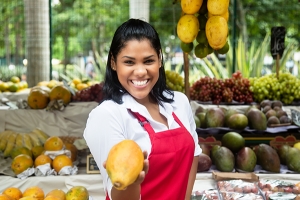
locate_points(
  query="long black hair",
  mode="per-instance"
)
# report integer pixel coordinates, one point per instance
(134, 29)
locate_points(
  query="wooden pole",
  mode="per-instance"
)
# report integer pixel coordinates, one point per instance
(186, 75)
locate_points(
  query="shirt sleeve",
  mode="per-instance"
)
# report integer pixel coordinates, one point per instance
(103, 130)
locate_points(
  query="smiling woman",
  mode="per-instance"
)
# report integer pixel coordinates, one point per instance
(138, 106)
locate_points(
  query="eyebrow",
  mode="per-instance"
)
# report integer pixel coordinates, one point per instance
(134, 58)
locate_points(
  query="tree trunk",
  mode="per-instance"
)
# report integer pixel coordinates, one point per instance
(37, 44)
(242, 24)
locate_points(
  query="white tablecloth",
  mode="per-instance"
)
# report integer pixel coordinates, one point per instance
(93, 182)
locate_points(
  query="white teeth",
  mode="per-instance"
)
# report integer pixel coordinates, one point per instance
(139, 83)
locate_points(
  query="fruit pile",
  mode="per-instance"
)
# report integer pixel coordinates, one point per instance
(37, 193)
(28, 150)
(174, 81)
(91, 93)
(284, 88)
(232, 154)
(236, 88)
(205, 21)
(14, 85)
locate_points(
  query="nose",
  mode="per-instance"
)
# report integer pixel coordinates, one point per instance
(140, 70)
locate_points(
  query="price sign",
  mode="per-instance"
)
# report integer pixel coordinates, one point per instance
(277, 41)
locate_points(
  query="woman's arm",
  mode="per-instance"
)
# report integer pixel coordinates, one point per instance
(192, 178)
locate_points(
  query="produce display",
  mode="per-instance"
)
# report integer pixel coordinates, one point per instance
(232, 155)
(204, 23)
(174, 81)
(30, 150)
(14, 85)
(37, 193)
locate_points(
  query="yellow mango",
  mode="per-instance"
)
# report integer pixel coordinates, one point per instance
(217, 7)
(191, 6)
(216, 31)
(187, 28)
(124, 163)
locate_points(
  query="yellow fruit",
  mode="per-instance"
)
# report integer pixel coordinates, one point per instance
(225, 15)
(28, 198)
(77, 193)
(60, 92)
(43, 83)
(216, 31)
(13, 88)
(297, 145)
(42, 160)
(53, 143)
(38, 98)
(191, 6)
(51, 84)
(37, 150)
(5, 197)
(57, 193)
(81, 86)
(35, 192)
(20, 163)
(52, 198)
(10, 144)
(15, 79)
(187, 28)
(3, 86)
(20, 150)
(124, 163)
(61, 161)
(217, 7)
(13, 192)
(76, 81)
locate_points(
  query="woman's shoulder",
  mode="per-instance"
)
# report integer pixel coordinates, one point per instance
(179, 96)
(107, 107)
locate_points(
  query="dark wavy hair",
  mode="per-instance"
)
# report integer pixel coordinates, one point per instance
(134, 29)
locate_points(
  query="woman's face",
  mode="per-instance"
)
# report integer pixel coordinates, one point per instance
(137, 66)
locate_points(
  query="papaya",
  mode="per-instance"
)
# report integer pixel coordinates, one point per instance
(124, 163)
(267, 157)
(224, 159)
(77, 193)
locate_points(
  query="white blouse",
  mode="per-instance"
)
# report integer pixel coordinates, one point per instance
(109, 123)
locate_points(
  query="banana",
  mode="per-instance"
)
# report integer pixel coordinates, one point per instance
(3, 140)
(19, 140)
(34, 139)
(10, 144)
(27, 141)
(41, 135)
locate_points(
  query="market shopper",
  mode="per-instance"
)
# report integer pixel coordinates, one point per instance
(136, 94)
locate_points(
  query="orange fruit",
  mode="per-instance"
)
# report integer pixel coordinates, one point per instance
(37, 150)
(81, 86)
(73, 149)
(15, 79)
(77, 193)
(57, 193)
(35, 192)
(61, 161)
(38, 98)
(20, 150)
(5, 197)
(13, 192)
(53, 143)
(20, 163)
(41, 160)
(60, 92)
(52, 198)
(76, 81)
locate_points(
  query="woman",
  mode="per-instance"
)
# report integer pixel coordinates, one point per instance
(138, 106)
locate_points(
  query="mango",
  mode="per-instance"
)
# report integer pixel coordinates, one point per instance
(124, 163)
(283, 153)
(238, 121)
(246, 159)
(293, 159)
(233, 141)
(267, 157)
(224, 159)
(214, 118)
(213, 152)
(257, 119)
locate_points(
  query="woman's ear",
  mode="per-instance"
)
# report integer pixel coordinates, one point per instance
(113, 64)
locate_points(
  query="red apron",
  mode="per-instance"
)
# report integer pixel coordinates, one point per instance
(170, 162)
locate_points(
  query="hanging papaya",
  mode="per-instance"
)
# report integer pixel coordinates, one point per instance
(124, 163)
